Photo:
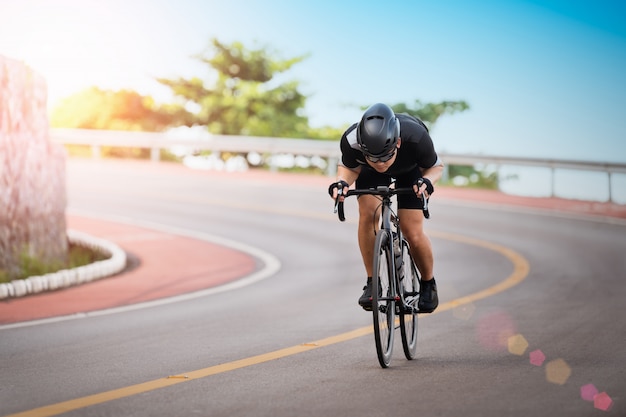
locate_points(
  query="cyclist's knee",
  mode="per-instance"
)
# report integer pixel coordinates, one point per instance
(416, 236)
(368, 206)
(367, 221)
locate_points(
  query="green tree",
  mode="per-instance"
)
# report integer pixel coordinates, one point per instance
(429, 113)
(240, 95)
(326, 132)
(95, 108)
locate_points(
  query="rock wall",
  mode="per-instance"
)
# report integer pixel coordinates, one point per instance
(32, 172)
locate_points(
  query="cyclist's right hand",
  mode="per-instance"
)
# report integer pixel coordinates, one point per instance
(338, 189)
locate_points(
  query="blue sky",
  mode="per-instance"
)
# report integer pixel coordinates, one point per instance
(543, 78)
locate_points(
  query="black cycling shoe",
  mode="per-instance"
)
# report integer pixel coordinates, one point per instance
(365, 300)
(429, 300)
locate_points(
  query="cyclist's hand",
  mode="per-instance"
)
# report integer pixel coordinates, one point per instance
(423, 186)
(333, 190)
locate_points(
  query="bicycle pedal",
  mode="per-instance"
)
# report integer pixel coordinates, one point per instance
(405, 310)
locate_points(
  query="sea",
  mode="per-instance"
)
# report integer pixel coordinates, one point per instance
(563, 183)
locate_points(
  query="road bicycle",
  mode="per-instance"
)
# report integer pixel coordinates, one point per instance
(395, 280)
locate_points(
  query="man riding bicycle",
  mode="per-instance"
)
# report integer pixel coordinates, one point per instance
(383, 146)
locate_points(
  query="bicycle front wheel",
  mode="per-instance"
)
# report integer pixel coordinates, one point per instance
(410, 289)
(383, 298)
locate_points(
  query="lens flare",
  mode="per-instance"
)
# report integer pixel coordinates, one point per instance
(588, 392)
(464, 312)
(558, 371)
(517, 344)
(494, 330)
(602, 401)
(537, 357)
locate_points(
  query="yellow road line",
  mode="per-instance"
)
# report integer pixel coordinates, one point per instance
(520, 271)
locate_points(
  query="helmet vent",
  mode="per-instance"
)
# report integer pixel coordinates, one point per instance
(374, 125)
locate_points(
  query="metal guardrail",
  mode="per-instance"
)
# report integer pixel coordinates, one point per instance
(218, 143)
(306, 147)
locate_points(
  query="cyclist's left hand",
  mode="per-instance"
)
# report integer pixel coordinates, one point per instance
(423, 186)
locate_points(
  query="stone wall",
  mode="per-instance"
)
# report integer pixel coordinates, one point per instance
(32, 172)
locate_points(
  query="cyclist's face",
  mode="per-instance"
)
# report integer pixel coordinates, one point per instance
(384, 166)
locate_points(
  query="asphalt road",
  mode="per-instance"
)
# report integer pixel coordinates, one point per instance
(531, 321)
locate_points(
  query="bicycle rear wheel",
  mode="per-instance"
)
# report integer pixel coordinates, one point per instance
(383, 300)
(408, 318)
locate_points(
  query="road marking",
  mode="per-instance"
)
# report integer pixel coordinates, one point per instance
(520, 268)
(520, 271)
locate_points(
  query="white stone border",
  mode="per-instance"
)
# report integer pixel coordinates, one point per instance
(70, 277)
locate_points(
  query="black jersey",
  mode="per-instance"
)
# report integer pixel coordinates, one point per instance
(416, 149)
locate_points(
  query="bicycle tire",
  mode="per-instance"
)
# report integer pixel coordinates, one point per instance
(408, 319)
(383, 298)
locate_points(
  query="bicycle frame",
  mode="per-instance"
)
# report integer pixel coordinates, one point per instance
(389, 220)
(390, 223)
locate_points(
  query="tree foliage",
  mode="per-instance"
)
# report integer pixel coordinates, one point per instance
(95, 108)
(243, 92)
(240, 95)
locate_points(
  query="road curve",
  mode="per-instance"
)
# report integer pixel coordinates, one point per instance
(530, 321)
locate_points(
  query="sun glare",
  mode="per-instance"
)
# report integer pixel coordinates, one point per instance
(71, 43)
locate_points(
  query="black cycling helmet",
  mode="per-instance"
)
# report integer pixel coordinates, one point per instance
(378, 131)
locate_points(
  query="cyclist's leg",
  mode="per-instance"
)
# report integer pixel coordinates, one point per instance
(412, 226)
(368, 208)
(367, 229)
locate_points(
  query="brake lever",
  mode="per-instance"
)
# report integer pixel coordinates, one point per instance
(425, 206)
(339, 194)
(339, 206)
(420, 182)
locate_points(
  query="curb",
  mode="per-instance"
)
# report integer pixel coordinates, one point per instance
(70, 277)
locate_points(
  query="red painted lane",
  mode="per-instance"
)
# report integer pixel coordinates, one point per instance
(166, 265)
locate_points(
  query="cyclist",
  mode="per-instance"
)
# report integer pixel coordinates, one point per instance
(382, 146)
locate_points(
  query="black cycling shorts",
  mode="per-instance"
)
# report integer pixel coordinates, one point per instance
(370, 178)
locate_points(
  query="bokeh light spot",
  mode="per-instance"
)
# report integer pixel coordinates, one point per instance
(537, 357)
(517, 344)
(494, 330)
(464, 312)
(602, 401)
(588, 392)
(558, 371)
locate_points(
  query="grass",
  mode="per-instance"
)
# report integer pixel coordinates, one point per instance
(30, 266)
